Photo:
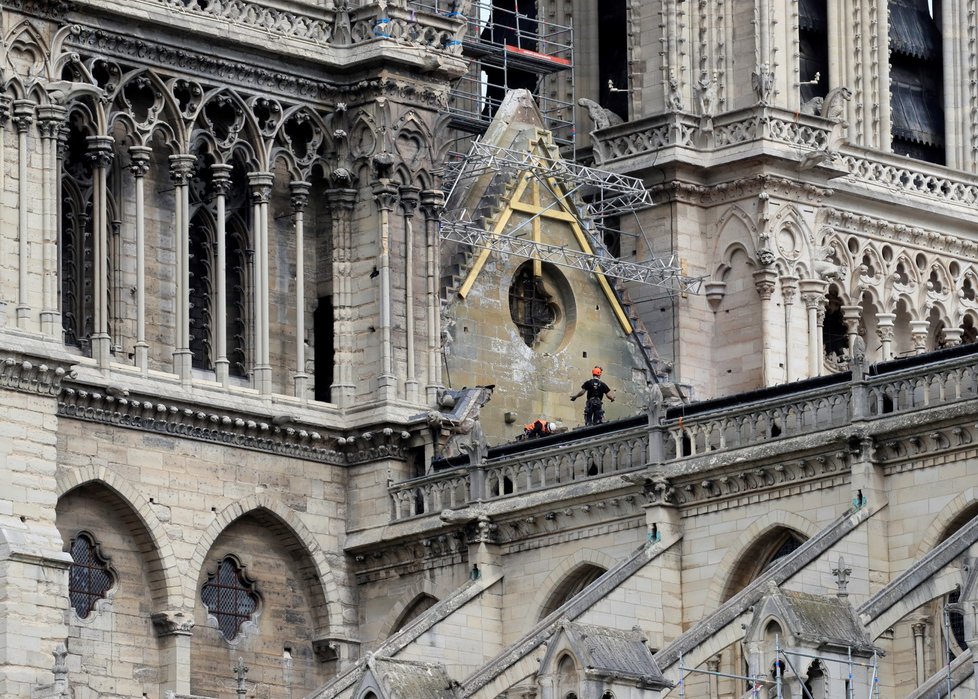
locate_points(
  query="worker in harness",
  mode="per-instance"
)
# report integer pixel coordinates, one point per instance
(596, 390)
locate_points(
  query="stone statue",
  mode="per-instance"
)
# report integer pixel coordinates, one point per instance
(763, 84)
(602, 118)
(834, 106)
(708, 95)
(824, 267)
(675, 98)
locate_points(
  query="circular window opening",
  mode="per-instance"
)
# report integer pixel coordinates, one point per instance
(540, 305)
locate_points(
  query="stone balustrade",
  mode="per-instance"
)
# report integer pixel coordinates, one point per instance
(709, 138)
(768, 417)
(328, 26)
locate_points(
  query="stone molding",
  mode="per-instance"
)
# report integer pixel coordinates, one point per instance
(255, 432)
(31, 374)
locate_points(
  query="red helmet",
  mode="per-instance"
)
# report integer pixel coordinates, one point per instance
(596, 371)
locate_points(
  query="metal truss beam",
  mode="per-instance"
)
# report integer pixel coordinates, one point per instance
(621, 190)
(657, 272)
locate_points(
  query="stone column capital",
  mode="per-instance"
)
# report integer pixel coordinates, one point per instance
(50, 117)
(182, 168)
(342, 198)
(789, 285)
(410, 198)
(432, 203)
(261, 186)
(23, 115)
(764, 281)
(100, 150)
(299, 191)
(221, 177)
(139, 157)
(385, 194)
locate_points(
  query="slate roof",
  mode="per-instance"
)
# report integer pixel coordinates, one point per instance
(406, 679)
(822, 620)
(614, 652)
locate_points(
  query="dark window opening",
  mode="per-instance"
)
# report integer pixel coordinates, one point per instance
(613, 56)
(571, 586)
(530, 306)
(77, 242)
(90, 576)
(201, 266)
(230, 596)
(917, 80)
(322, 320)
(835, 335)
(511, 24)
(236, 285)
(813, 47)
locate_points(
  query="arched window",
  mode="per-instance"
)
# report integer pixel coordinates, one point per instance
(579, 578)
(760, 556)
(230, 596)
(419, 606)
(90, 576)
(77, 249)
(201, 279)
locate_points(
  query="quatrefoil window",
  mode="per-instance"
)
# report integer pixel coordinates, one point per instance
(90, 576)
(230, 596)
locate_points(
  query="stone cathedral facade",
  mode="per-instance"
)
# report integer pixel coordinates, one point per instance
(270, 325)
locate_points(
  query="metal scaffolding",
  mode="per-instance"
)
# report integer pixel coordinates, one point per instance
(509, 46)
(584, 196)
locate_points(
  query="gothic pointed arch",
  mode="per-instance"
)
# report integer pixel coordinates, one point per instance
(329, 596)
(572, 583)
(764, 536)
(415, 608)
(147, 531)
(271, 566)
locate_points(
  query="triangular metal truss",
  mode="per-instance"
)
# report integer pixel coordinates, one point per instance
(592, 195)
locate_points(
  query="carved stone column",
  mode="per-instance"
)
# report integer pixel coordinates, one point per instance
(432, 201)
(221, 182)
(4, 116)
(385, 196)
(49, 120)
(342, 205)
(181, 170)
(852, 315)
(813, 295)
(409, 204)
(789, 287)
(713, 665)
(261, 194)
(139, 158)
(100, 153)
(23, 119)
(174, 629)
(300, 198)
(918, 332)
(919, 629)
(764, 282)
(884, 330)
